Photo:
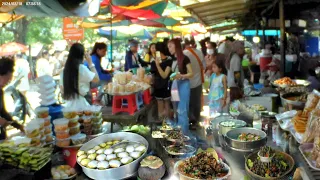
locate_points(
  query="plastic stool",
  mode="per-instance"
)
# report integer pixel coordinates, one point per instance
(94, 94)
(118, 106)
(147, 96)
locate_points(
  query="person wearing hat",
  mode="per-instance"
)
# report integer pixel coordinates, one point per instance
(133, 59)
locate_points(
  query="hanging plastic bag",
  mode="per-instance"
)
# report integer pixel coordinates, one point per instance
(175, 92)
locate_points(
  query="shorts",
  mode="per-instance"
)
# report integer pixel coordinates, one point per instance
(162, 94)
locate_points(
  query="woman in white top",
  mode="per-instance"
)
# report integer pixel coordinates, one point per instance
(76, 77)
(233, 64)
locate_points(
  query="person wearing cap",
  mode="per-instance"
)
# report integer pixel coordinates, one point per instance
(133, 59)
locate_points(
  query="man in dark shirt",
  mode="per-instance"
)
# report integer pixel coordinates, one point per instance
(6, 72)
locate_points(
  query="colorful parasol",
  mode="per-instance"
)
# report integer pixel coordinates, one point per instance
(12, 48)
(147, 9)
(125, 32)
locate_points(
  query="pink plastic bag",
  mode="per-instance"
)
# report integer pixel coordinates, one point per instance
(175, 92)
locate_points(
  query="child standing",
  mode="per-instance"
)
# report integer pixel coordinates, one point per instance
(218, 86)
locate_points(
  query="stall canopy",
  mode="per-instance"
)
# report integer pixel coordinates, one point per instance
(126, 32)
(7, 18)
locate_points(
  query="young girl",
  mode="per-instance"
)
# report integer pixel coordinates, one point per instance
(218, 86)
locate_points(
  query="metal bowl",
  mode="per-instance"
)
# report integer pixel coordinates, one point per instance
(191, 151)
(232, 141)
(299, 82)
(224, 129)
(254, 155)
(215, 121)
(294, 104)
(121, 172)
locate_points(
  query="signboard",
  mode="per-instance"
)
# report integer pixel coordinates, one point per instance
(71, 31)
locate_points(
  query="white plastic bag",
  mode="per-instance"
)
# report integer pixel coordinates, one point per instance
(175, 91)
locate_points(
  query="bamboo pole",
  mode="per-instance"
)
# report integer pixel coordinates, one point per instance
(282, 38)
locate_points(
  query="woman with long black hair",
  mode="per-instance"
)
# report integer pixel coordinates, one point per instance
(76, 77)
(98, 52)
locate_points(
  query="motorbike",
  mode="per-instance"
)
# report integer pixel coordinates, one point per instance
(21, 106)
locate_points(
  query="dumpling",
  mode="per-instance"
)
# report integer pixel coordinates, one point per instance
(103, 145)
(108, 151)
(114, 163)
(92, 156)
(101, 157)
(126, 160)
(119, 150)
(111, 156)
(141, 148)
(81, 157)
(122, 154)
(80, 153)
(93, 164)
(91, 151)
(97, 148)
(100, 151)
(84, 162)
(129, 148)
(135, 154)
(103, 165)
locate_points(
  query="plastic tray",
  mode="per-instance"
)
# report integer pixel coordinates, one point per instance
(285, 124)
(296, 136)
(307, 148)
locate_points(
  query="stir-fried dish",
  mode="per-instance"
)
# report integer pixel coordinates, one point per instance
(276, 168)
(176, 135)
(203, 166)
(248, 137)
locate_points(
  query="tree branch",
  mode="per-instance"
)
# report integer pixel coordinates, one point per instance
(11, 29)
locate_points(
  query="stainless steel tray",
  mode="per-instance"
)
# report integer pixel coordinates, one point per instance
(285, 101)
(121, 172)
(190, 153)
(232, 141)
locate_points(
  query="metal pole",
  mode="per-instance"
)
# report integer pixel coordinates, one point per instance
(111, 38)
(282, 39)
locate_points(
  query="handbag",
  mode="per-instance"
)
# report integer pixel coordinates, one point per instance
(175, 92)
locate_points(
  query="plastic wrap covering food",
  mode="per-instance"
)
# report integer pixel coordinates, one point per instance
(128, 76)
(312, 102)
(122, 88)
(148, 79)
(316, 149)
(131, 87)
(313, 127)
(110, 87)
(140, 73)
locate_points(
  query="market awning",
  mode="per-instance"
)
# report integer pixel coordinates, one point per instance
(6, 18)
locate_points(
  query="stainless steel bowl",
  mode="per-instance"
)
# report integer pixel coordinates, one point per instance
(224, 129)
(215, 121)
(232, 141)
(121, 172)
(294, 104)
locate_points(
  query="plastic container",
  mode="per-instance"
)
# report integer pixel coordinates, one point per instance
(48, 129)
(69, 113)
(43, 139)
(265, 159)
(42, 112)
(78, 139)
(74, 130)
(39, 121)
(80, 113)
(63, 134)
(42, 133)
(87, 112)
(97, 125)
(61, 124)
(87, 120)
(74, 121)
(96, 130)
(32, 130)
(63, 142)
(47, 121)
(96, 119)
(21, 140)
(36, 140)
(48, 138)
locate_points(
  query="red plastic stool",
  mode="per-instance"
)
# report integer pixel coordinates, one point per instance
(70, 155)
(147, 96)
(130, 108)
(94, 94)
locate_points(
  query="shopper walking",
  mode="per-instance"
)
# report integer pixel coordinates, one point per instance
(196, 59)
(76, 77)
(181, 66)
(218, 86)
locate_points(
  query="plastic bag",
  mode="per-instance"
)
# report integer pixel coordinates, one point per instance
(313, 128)
(175, 91)
(312, 102)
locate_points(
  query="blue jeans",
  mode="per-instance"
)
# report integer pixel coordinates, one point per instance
(183, 105)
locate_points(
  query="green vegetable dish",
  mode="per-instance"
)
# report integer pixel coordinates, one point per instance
(276, 168)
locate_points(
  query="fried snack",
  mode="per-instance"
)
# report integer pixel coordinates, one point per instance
(312, 101)
(285, 81)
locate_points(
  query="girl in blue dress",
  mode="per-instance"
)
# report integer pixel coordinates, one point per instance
(218, 86)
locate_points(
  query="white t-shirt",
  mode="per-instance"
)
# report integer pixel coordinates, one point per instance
(43, 67)
(195, 81)
(235, 66)
(85, 77)
(21, 70)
